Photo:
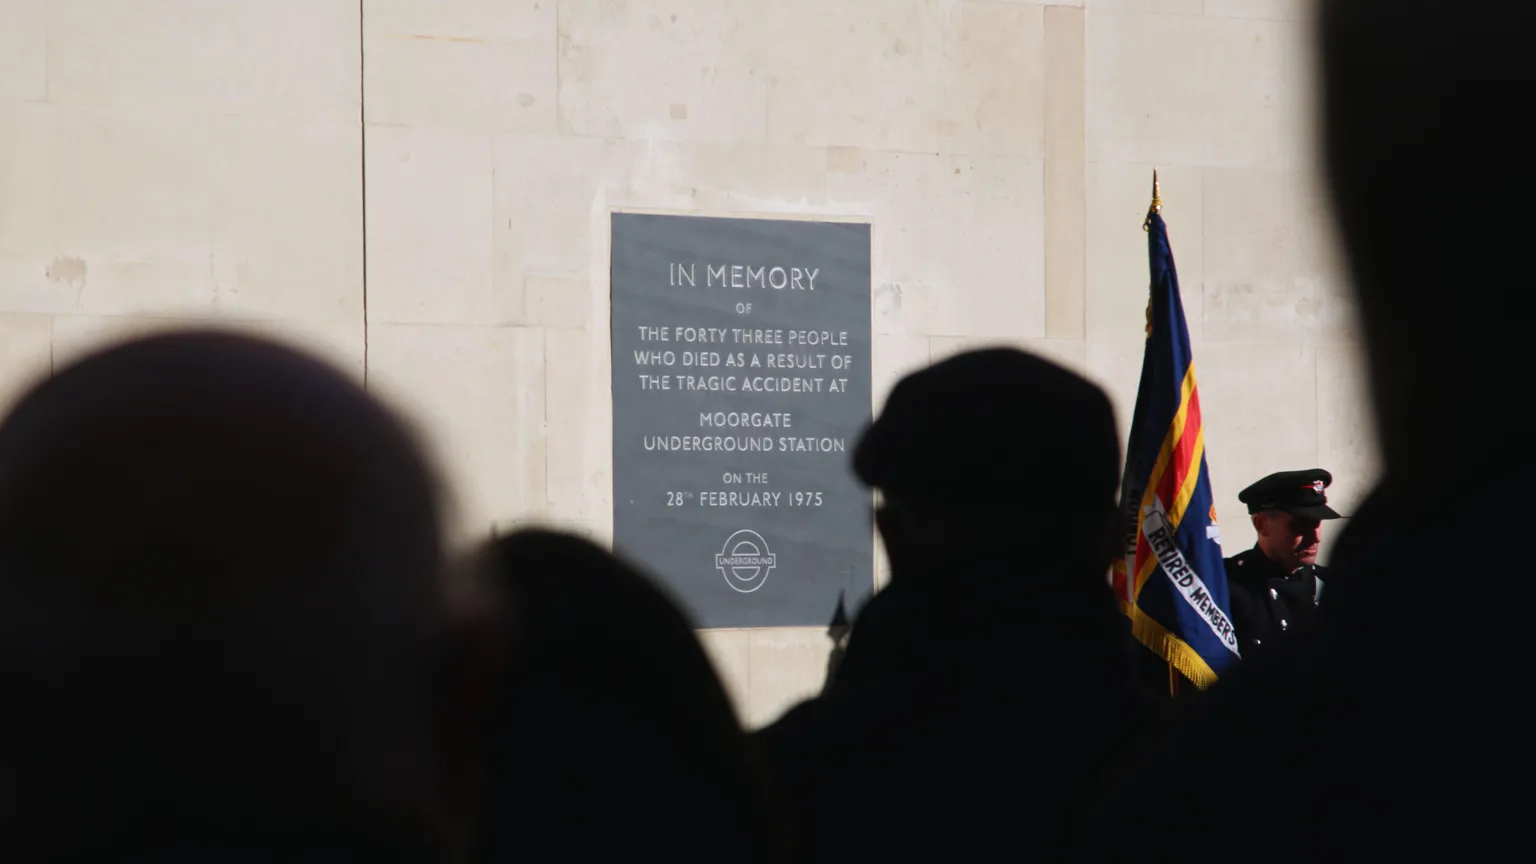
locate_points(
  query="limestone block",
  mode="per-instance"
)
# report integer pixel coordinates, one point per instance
(106, 210)
(474, 83)
(959, 239)
(990, 98)
(430, 201)
(984, 223)
(469, 20)
(1346, 426)
(1145, 101)
(580, 452)
(37, 283)
(557, 300)
(479, 393)
(121, 212)
(1260, 413)
(1271, 264)
(746, 177)
(280, 58)
(26, 355)
(1118, 276)
(1066, 225)
(908, 75)
(888, 300)
(339, 343)
(730, 652)
(889, 189)
(288, 220)
(1177, 7)
(1274, 10)
(1115, 365)
(679, 70)
(550, 199)
(1193, 90)
(892, 358)
(23, 51)
(787, 666)
(1265, 111)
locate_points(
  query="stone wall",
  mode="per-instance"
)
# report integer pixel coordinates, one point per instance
(419, 190)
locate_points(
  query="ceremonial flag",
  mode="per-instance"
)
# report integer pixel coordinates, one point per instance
(1172, 583)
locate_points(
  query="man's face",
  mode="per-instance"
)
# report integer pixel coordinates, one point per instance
(1289, 541)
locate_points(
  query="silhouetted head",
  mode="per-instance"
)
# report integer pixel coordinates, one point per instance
(218, 608)
(610, 730)
(1432, 181)
(994, 455)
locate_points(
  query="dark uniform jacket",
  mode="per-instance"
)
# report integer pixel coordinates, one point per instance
(1267, 602)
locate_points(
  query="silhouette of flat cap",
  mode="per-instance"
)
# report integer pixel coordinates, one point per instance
(993, 430)
(1300, 493)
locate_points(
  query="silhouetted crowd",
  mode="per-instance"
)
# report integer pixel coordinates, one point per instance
(229, 630)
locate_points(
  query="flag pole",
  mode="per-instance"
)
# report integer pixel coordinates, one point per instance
(1156, 209)
(1157, 202)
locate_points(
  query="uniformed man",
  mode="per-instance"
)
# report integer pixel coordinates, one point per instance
(1275, 586)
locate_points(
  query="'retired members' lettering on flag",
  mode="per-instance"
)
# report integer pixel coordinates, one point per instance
(1161, 537)
(1172, 583)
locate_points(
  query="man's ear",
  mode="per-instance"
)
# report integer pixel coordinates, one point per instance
(1260, 524)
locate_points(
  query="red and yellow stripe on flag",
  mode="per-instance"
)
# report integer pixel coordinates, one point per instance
(1175, 474)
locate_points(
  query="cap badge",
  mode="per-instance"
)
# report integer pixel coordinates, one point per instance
(1315, 486)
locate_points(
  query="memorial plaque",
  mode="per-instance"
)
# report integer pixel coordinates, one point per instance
(741, 383)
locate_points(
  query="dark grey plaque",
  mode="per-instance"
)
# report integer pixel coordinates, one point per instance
(740, 385)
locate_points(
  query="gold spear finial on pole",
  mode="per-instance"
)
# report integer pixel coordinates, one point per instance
(1155, 210)
(1157, 202)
